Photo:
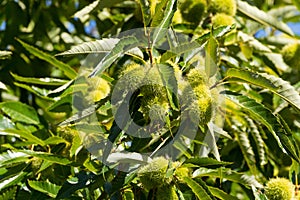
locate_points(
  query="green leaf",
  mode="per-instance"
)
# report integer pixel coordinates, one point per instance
(23, 134)
(247, 150)
(225, 173)
(258, 141)
(12, 180)
(10, 158)
(262, 17)
(161, 28)
(5, 54)
(211, 56)
(206, 161)
(9, 193)
(265, 116)
(220, 194)
(274, 84)
(180, 49)
(199, 43)
(125, 44)
(146, 11)
(40, 92)
(5, 123)
(84, 12)
(3, 86)
(168, 76)
(197, 189)
(45, 187)
(296, 3)
(104, 45)
(20, 112)
(48, 157)
(39, 81)
(67, 70)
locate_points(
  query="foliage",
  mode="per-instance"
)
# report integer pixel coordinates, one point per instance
(222, 97)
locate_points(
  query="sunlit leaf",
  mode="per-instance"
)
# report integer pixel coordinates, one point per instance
(45, 187)
(262, 17)
(275, 84)
(197, 189)
(84, 12)
(20, 112)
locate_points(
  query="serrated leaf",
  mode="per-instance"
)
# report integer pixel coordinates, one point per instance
(80, 115)
(206, 161)
(229, 175)
(199, 43)
(84, 12)
(197, 189)
(20, 112)
(66, 69)
(45, 187)
(12, 180)
(211, 56)
(247, 150)
(274, 84)
(220, 194)
(258, 141)
(265, 116)
(39, 81)
(48, 157)
(161, 28)
(5, 54)
(146, 11)
(262, 17)
(104, 45)
(168, 76)
(40, 92)
(23, 134)
(125, 44)
(9, 158)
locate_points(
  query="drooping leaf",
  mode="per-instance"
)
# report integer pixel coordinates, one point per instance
(247, 150)
(45, 187)
(40, 81)
(84, 12)
(275, 84)
(197, 189)
(20, 112)
(265, 116)
(67, 70)
(228, 174)
(258, 141)
(5, 54)
(211, 56)
(262, 17)
(125, 44)
(40, 92)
